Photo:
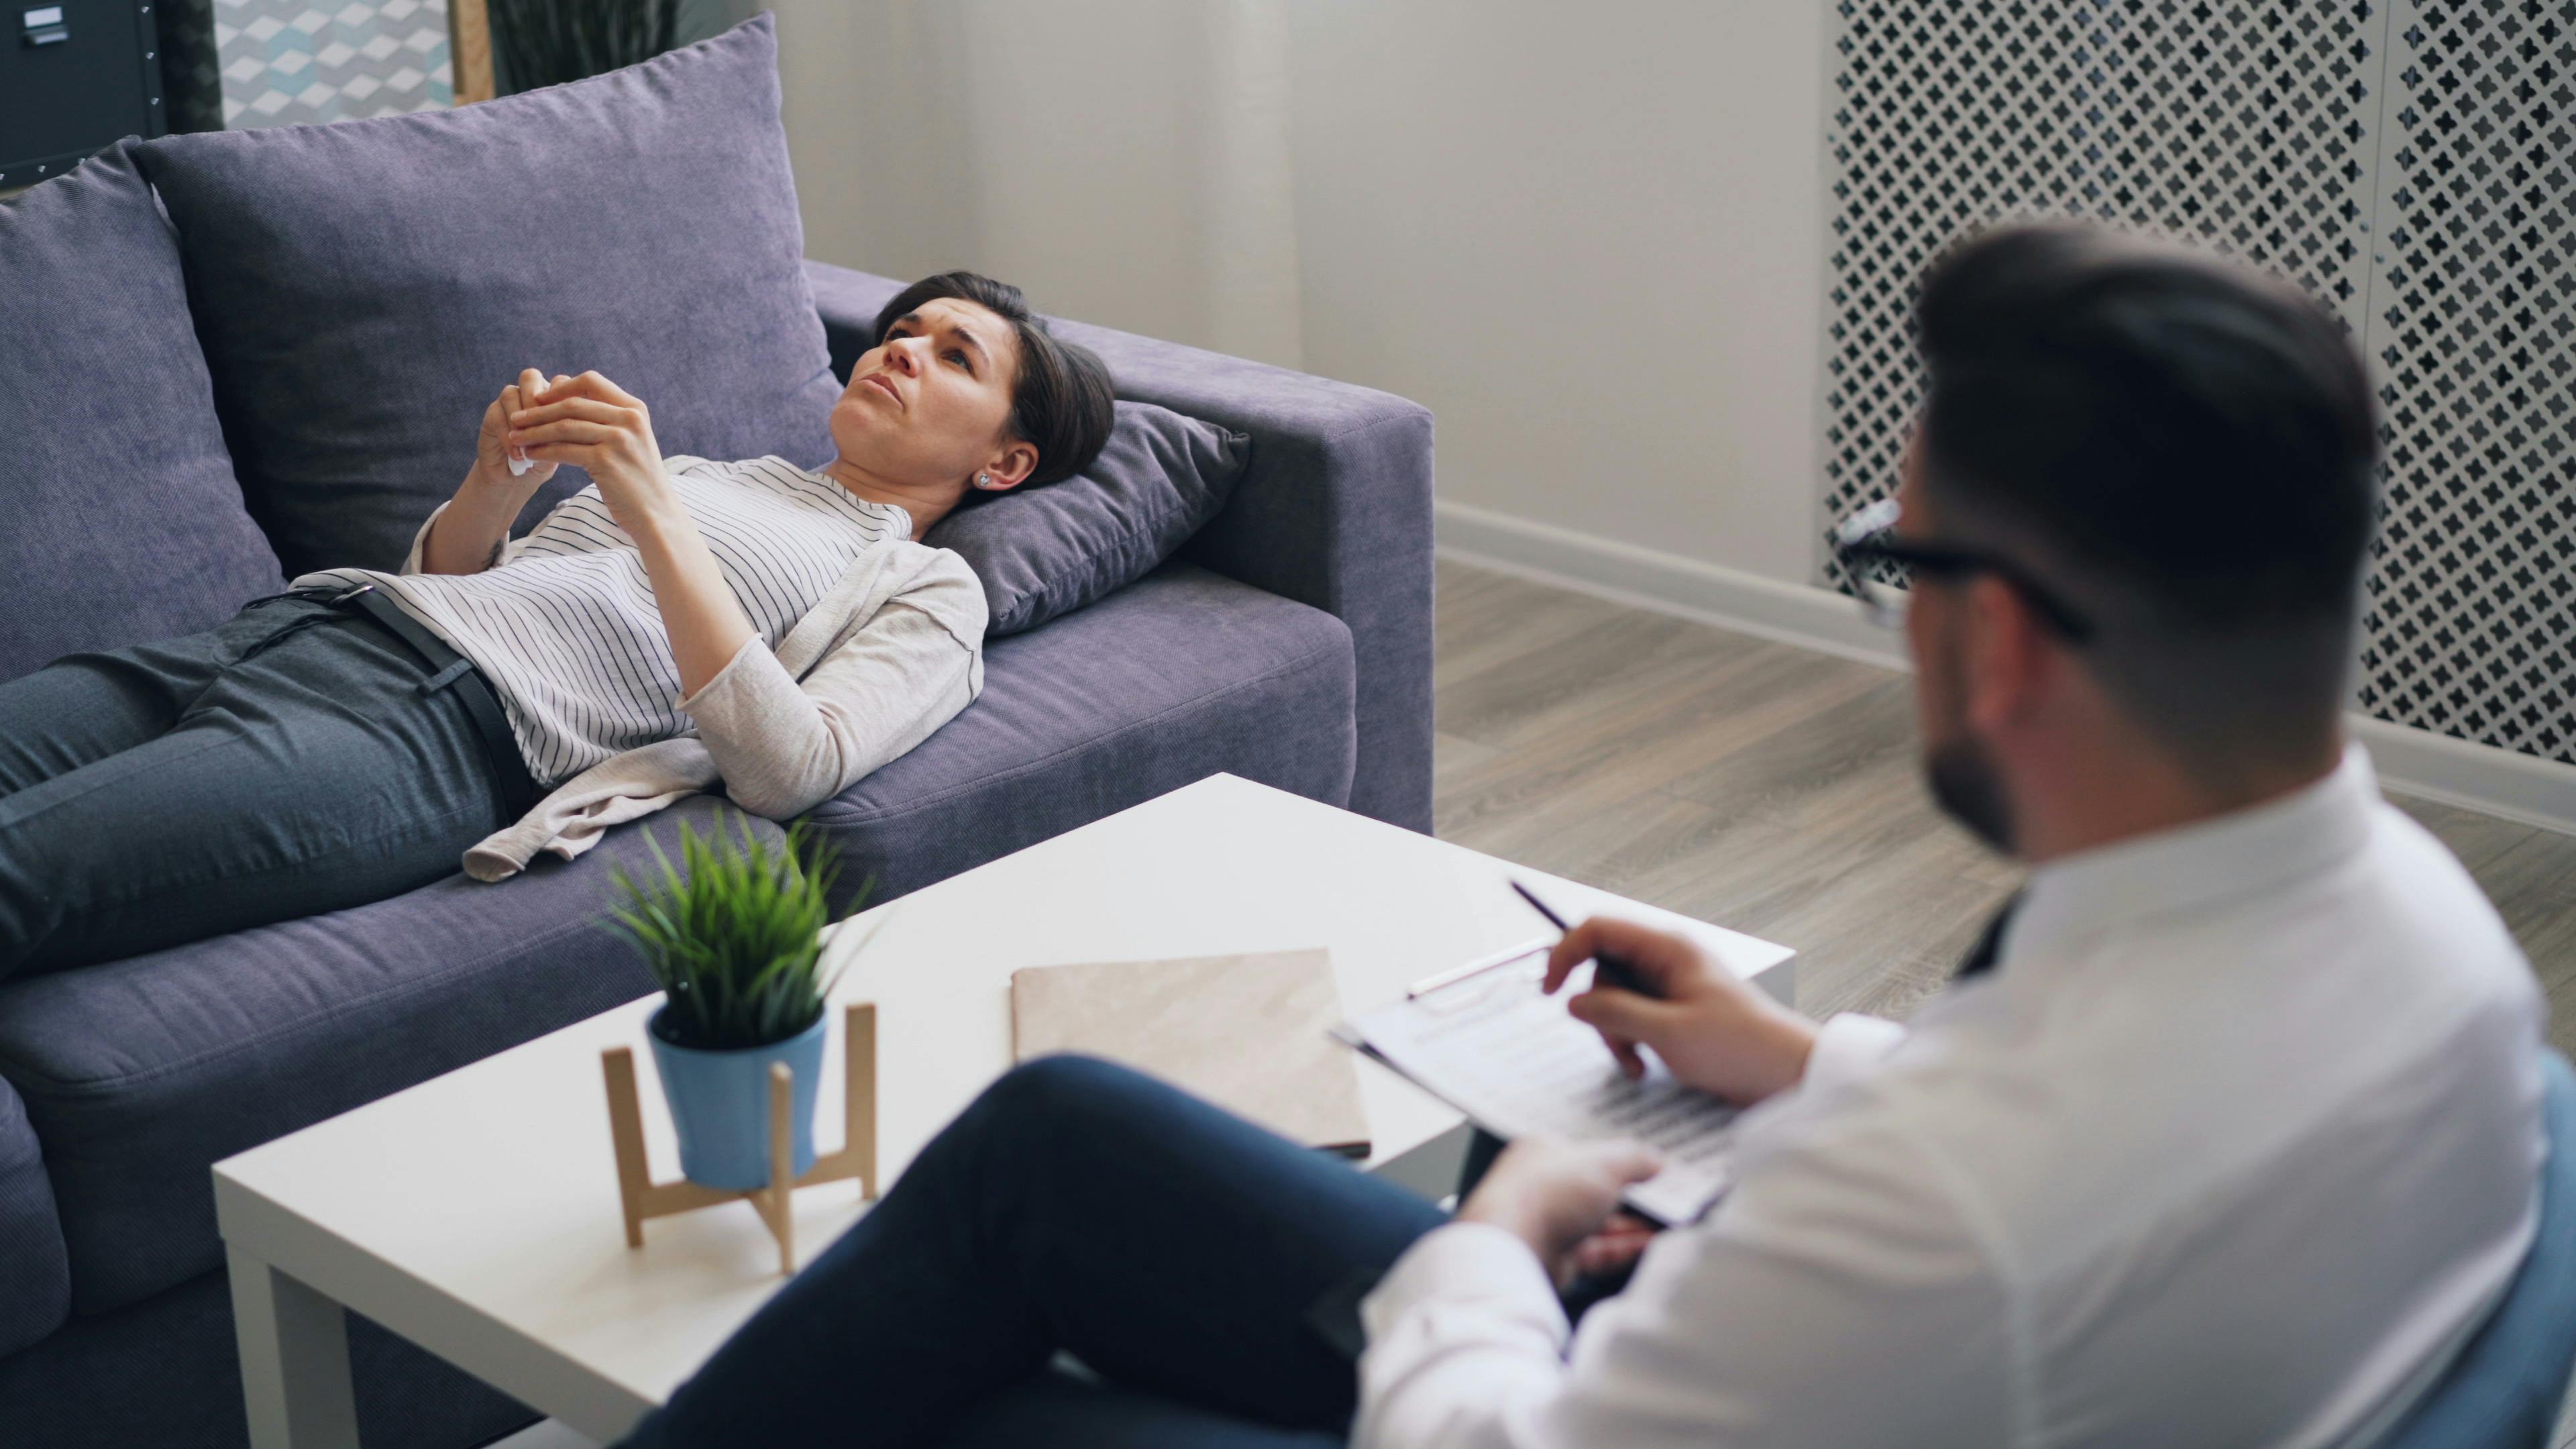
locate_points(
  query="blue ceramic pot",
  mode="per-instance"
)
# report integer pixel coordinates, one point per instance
(720, 1104)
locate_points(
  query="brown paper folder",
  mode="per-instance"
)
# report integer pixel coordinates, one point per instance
(1249, 1033)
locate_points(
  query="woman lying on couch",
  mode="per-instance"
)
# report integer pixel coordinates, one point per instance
(676, 623)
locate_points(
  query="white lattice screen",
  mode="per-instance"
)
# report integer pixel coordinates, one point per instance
(2473, 316)
(2294, 135)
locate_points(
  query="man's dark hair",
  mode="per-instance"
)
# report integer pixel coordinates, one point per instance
(2183, 447)
(1062, 402)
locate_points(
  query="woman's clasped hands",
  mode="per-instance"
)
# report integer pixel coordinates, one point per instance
(493, 454)
(598, 427)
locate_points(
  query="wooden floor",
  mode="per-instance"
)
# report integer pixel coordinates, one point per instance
(1776, 791)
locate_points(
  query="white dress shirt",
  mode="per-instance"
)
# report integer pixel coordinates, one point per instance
(2236, 1144)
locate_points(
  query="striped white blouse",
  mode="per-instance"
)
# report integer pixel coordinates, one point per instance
(566, 628)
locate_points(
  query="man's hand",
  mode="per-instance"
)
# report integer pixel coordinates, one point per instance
(1562, 1198)
(492, 449)
(1716, 1032)
(605, 431)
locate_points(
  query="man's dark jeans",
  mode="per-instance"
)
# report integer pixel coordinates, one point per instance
(282, 765)
(1176, 1251)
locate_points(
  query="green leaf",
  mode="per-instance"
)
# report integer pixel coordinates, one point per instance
(729, 931)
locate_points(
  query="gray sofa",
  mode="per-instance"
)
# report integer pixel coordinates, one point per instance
(142, 493)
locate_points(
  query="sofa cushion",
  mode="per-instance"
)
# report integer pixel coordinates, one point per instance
(166, 1373)
(119, 518)
(35, 1276)
(1181, 675)
(140, 1074)
(365, 289)
(1047, 551)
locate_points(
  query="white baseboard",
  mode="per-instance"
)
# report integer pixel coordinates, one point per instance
(2511, 786)
(1645, 578)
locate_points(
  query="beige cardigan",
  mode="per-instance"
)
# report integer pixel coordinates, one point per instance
(891, 653)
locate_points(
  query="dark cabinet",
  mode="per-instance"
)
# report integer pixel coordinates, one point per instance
(74, 76)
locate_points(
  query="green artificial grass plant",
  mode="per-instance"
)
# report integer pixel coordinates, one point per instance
(729, 933)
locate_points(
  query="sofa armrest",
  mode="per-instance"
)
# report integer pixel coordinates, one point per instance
(1334, 512)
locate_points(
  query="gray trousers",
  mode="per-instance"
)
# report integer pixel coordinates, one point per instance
(282, 765)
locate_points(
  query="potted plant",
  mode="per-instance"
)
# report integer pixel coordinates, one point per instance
(731, 935)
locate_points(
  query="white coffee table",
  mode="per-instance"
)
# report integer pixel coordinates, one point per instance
(477, 1214)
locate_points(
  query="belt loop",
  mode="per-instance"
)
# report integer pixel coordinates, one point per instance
(446, 677)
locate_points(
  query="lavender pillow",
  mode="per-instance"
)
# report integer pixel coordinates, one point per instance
(119, 518)
(363, 289)
(1048, 551)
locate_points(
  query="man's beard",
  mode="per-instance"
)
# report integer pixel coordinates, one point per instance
(1968, 788)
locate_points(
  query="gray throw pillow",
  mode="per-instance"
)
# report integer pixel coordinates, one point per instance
(364, 289)
(1048, 551)
(119, 518)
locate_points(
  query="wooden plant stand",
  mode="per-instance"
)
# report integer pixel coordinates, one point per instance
(643, 1198)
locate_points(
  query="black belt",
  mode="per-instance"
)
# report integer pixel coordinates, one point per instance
(450, 670)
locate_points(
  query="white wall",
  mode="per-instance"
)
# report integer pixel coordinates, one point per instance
(1124, 161)
(1589, 238)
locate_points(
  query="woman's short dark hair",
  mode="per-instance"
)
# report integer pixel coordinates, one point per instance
(1062, 402)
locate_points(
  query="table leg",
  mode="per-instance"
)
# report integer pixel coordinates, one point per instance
(294, 1359)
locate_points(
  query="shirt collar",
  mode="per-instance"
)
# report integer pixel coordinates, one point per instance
(2195, 868)
(894, 514)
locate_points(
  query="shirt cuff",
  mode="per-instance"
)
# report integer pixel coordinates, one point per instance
(738, 678)
(758, 723)
(420, 540)
(1847, 1047)
(1468, 1265)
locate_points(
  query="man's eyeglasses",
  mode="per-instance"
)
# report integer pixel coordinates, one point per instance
(1877, 562)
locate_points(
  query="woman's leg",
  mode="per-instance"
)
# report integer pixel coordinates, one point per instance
(309, 776)
(85, 707)
(1176, 1250)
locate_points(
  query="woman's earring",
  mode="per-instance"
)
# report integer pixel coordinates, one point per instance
(983, 480)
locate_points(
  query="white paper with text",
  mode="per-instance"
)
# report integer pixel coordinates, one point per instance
(1496, 1048)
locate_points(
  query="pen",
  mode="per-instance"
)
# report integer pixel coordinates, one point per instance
(1607, 970)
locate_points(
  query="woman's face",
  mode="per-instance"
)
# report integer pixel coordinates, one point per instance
(931, 405)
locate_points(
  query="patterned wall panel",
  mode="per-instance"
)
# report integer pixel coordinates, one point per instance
(2472, 616)
(2247, 124)
(284, 61)
(2290, 135)
(192, 77)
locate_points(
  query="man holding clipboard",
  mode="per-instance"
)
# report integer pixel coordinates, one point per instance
(2226, 1134)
